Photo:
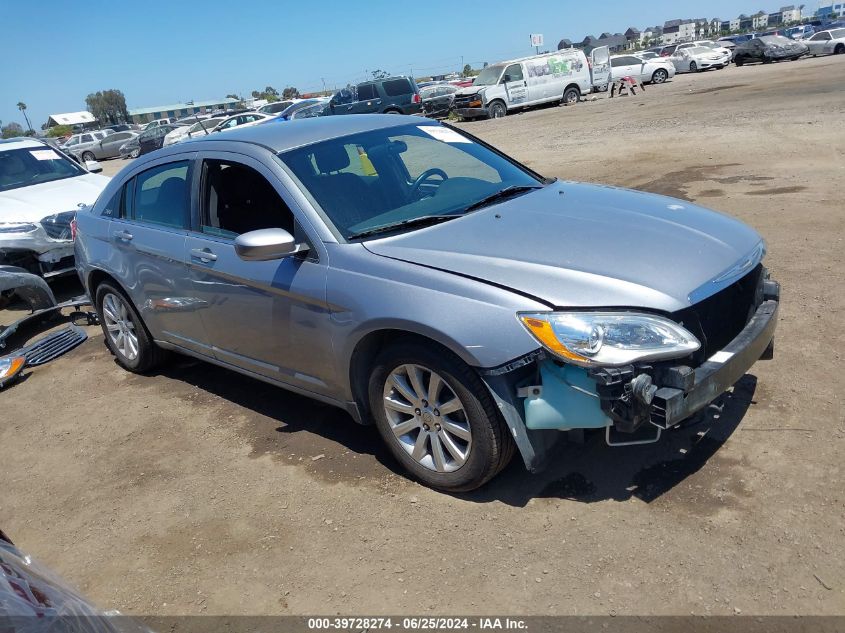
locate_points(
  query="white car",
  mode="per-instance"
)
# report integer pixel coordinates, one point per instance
(826, 43)
(241, 120)
(718, 47)
(40, 191)
(697, 58)
(184, 132)
(654, 70)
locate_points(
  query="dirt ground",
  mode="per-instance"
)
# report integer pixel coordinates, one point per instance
(198, 491)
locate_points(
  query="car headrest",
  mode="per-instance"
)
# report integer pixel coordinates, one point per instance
(331, 158)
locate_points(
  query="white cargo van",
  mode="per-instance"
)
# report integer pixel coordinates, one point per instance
(561, 76)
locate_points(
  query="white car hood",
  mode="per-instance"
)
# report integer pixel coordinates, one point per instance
(31, 204)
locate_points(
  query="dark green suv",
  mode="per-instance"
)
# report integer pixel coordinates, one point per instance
(398, 95)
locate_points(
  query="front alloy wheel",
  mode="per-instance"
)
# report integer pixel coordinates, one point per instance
(437, 417)
(427, 418)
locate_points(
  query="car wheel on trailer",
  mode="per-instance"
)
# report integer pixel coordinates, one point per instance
(126, 335)
(497, 110)
(571, 95)
(437, 417)
(659, 76)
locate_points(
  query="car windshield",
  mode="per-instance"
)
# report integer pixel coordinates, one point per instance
(373, 180)
(489, 76)
(33, 166)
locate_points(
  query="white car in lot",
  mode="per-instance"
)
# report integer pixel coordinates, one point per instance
(41, 190)
(240, 120)
(694, 59)
(826, 43)
(717, 47)
(655, 70)
(184, 132)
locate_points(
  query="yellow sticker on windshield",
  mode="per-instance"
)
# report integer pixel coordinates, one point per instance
(444, 134)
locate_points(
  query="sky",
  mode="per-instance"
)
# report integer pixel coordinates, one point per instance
(55, 52)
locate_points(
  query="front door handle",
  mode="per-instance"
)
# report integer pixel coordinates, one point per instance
(203, 254)
(124, 236)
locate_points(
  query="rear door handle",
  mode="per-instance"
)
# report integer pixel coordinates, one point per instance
(203, 254)
(124, 236)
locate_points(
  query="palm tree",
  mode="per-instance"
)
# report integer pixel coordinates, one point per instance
(22, 108)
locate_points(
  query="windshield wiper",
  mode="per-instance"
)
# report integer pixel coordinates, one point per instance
(507, 192)
(424, 220)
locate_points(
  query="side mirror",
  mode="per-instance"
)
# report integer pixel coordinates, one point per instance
(93, 166)
(267, 244)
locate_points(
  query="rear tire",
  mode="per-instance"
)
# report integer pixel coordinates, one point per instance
(839, 50)
(86, 156)
(497, 110)
(571, 95)
(135, 153)
(410, 424)
(659, 76)
(693, 67)
(126, 335)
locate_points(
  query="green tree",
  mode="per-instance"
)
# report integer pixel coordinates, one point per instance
(11, 130)
(380, 74)
(270, 91)
(22, 108)
(60, 130)
(108, 106)
(290, 93)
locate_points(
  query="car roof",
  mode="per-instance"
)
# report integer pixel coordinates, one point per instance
(279, 138)
(19, 142)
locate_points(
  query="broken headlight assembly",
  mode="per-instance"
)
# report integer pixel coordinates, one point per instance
(593, 339)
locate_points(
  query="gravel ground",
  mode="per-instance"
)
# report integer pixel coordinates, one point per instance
(195, 490)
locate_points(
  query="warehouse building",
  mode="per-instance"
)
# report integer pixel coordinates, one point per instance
(178, 110)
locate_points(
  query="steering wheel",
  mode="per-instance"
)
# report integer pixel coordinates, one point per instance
(426, 175)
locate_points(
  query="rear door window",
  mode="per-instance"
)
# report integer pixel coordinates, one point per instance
(397, 87)
(161, 195)
(367, 92)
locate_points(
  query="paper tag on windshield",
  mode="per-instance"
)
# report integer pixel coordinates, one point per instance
(45, 154)
(444, 134)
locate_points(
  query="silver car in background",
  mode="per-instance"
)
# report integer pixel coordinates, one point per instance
(414, 276)
(697, 58)
(655, 70)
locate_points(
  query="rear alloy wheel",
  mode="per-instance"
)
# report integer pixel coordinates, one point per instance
(839, 50)
(86, 156)
(437, 418)
(570, 96)
(497, 110)
(126, 335)
(693, 67)
(135, 153)
(659, 76)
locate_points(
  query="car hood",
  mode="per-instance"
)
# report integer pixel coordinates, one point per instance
(577, 245)
(31, 204)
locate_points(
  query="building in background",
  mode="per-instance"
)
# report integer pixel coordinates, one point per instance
(178, 110)
(83, 120)
(835, 10)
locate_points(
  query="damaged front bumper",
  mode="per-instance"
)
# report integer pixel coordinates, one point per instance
(44, 248)
(540, 397)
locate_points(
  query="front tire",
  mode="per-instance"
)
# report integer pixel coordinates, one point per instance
(739, 61)
(497, 110)
(839, 50)
(126, 335)
(135, 153)
(659, 76)
(693, 67)
(437, 418)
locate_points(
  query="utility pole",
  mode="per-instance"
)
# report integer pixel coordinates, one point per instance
(324, 85)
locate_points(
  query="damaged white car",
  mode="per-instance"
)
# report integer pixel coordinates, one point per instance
(40, 192)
